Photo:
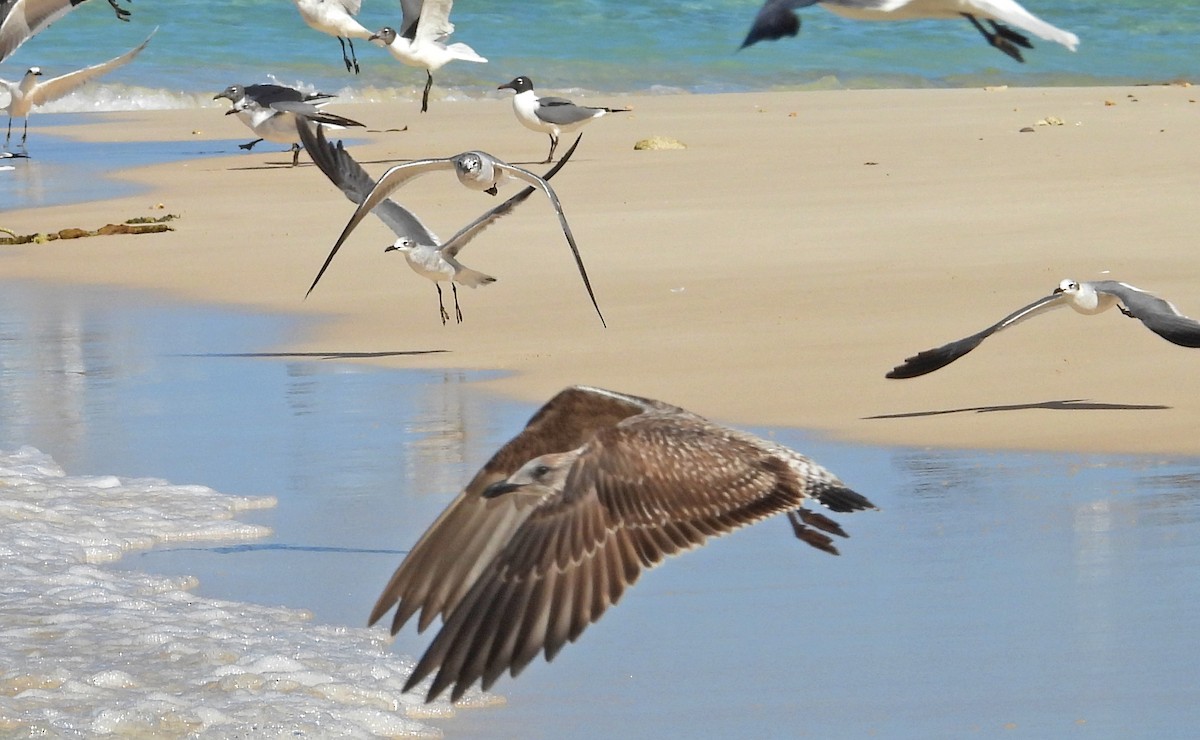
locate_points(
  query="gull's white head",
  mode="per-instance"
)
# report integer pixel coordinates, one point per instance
(1067, 286)
(34, 72)
(403, 244)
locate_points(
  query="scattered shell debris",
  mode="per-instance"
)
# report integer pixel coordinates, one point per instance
(659, 142)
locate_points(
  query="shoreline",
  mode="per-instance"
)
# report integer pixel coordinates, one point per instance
(740, 277)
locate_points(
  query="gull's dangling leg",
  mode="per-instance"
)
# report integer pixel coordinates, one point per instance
(295, 154)
(553, 145)
(9, 135)
(442, 306)
(995, 39)
(25, 132)
(351, 66)
(810, 536)
(457, 310)
(425, 95)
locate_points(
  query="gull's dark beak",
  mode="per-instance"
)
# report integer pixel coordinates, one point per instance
(1058, 290)
(499, 488)
(230, 112)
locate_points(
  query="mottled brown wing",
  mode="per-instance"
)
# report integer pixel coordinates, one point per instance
(460, 544)
(653, 486)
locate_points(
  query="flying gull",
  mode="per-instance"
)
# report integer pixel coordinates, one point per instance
(271, 112)
(776, 19)
(425, 253)
(550, 115)
(21, 20)
(476, 170)
(564, 517)
(424, 27)
(1157, 315)
(336, 18)
(29, 93)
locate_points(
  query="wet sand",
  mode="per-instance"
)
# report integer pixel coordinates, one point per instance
(993, 593)
(770, 273)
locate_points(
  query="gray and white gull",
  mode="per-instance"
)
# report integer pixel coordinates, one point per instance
(1094, 297)
(549, 534)
(31, 92)
(272, 112)
(777, 18)
(427, 255)
(476, 170)
(421, 41)
(21, 20)
(550, 115)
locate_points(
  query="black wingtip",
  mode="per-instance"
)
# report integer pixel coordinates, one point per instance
(771, 24)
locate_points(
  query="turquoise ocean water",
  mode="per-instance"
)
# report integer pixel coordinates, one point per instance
(609, 46)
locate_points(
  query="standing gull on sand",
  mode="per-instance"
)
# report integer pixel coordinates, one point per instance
(598, 487)
(424, 28)
(29, 93)
(428, 256)
(21, 20)
(475, 170)
(1089, 298)
(777, 18)
(336, 18)
(550, 115)
(271, 112)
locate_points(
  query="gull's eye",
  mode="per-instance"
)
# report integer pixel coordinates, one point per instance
(541, 471)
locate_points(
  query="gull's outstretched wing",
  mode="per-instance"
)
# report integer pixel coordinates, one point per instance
(392, 179)
(454, 244)
(55, 88)
(356, 184)
(939, 357)
(1159, 316)
(535, 181)
(447, 560)
(21, 20)
(775, 19)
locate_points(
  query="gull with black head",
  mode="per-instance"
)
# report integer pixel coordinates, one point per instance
(550, 115)
(272, 113)
(1088, 298)
(597, 488)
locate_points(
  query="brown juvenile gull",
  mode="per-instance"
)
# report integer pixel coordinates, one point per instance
(427, 255)
(1094, 297)
(598, 487)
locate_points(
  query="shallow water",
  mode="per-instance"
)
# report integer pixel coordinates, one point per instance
(1031, 595)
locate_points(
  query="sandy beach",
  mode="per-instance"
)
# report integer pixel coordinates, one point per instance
(770, 273)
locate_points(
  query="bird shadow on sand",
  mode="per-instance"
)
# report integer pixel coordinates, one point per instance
(322, 355)
(1070, 404)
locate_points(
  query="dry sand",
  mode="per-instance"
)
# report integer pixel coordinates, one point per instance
(770, 273)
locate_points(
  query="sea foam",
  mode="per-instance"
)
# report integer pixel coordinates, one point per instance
(88, 650)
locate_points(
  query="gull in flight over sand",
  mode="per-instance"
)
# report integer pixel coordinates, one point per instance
(598, 487)
(777, 18)
(21, 20)
(428, 256)
(271, 112)
(550, 115)
(476, 170)
(336, 18)
(424, 28)
(1089, 298)
(29, 93)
